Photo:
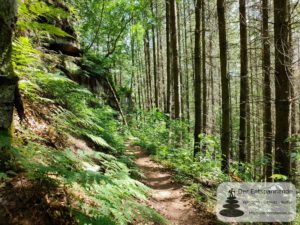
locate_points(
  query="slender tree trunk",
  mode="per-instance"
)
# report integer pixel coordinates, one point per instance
(175, 60)
(191, 29)
(282, 87)
(212, 89)
(143, 84)
(147, 82)
(204, 79)
(248, 127)
(293, 103)
(131, 104)
(113, 91)
(244, 92)
(160, 63)
(148, 66)
(197, 80)
(139, 85)
(168, 56)
(225, 132)
(259, 169)
(266, 66)
(8, 80)
(180, 59)
(187, 77)
(154, 59)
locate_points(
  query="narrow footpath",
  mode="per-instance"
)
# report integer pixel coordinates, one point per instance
(167, 196)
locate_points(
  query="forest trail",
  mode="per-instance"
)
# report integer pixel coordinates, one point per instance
(168, 197)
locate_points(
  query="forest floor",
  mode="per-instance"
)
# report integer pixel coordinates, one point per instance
(168, 196)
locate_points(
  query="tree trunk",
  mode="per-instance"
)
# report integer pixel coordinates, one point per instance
(175, 60)
(197, 80)
(225, 132)
(212, 89)
(266, 66)
(160, 63)
(244, 82)
(187, 77)
(204, 79)
(133, 78)
(154, 60)
(293, 143)
(168, 55)
(180, 59)
(8, 80)
(148, 68)
(282, 87)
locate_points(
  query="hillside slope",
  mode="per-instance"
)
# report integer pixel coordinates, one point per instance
(66, 164)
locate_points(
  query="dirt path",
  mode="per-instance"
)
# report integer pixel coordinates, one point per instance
(167, 196)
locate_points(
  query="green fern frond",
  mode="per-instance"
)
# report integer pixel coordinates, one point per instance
(31, 11)
(99, 141)
(43, 28)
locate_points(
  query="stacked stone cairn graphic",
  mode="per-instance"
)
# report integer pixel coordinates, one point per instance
(231, 208)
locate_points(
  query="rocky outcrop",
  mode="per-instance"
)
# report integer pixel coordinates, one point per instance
(64, 47)
(73, 64)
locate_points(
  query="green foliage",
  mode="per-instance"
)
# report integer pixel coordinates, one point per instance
(75, 114)
(244, 171)
(4, 139)
(100, 184)
(99, 141)
(31, 11)
(279, 177)
(297, 220)
(3, 176)
(170, 143)
(101, 32)
(43, 29)
(24, 55)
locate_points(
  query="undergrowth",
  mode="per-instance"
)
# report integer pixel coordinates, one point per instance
(155, 134)
(200, 175)
(97, 177)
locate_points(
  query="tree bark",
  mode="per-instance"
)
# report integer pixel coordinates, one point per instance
(148, 69)
(8, 80)
(197, 80)
(154, 60)
(187, 77)
(168, 56)
(175, 60)
(204, 79)
(225, 131)
(282, 87)
(212, 89)
(266, 66)
(178, 8)
(293, 143)
(244, 89)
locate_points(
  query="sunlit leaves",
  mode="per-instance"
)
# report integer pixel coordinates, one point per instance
(30, 12)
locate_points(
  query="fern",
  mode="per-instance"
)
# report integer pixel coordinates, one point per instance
(100, 184)
(42, 28)
(99, 141)
(24, 56)
(31, 11)
(107, 197)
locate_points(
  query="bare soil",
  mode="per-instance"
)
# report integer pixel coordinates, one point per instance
(168, 196)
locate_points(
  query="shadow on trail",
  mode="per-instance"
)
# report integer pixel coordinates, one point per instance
(167, 196)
